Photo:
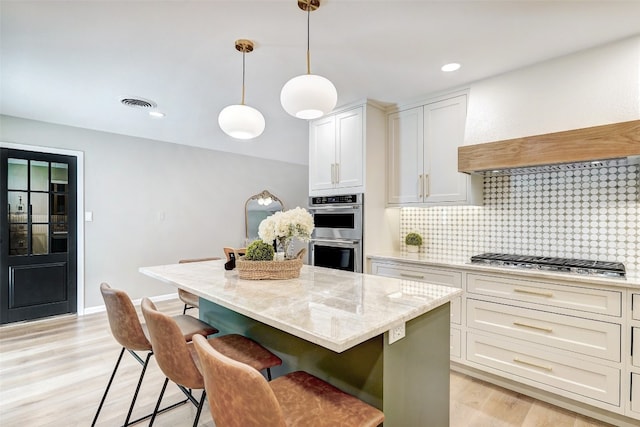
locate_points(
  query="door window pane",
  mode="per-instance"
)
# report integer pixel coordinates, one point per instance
(40, 207)
(39, 176)
(17, 206)
(58, 242)
(59, 199)
(59, 173)
(40, 239)
(18, 239)
(17, 174)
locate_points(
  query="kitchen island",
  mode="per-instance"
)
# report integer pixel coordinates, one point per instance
(336, 325)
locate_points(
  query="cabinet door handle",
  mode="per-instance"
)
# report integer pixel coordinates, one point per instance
(337, 173)
(333, 173)
(420, 186)
(539, 328)
(535, 365)
(426, 185)
(412, 276)
(540, 294)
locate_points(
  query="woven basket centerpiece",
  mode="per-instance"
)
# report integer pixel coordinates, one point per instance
(265, 270)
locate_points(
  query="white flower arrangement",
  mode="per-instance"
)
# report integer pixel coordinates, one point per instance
(284, 226)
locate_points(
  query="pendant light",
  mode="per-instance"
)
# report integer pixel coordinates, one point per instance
(308, 96)
(241, 121)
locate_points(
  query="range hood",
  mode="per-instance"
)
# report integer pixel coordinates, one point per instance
(608, 145)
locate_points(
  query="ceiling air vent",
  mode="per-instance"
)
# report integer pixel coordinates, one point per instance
(138, 103)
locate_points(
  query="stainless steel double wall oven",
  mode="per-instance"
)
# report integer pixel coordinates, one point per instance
(337, 238)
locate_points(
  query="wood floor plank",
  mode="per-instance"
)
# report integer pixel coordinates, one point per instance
(53, 373)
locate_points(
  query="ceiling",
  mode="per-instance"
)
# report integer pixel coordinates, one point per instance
(70, 62)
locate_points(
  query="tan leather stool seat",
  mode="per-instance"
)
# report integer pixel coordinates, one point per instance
(188, 298)
(242, 349)
(309, 401)
(240, 397)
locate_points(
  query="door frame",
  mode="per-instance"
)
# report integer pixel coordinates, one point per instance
(79, 155)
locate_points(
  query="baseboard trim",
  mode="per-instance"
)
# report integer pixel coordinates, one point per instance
(102, 308)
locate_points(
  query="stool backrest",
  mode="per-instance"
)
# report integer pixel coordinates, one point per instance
(239, 396)
(123, 319)
(170, 348)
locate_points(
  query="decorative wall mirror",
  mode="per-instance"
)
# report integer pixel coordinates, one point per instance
(258, 207)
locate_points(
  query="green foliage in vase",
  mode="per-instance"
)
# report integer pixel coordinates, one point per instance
(259, 251)
(413, 239)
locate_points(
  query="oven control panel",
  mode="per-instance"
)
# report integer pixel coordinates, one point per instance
(343, 199)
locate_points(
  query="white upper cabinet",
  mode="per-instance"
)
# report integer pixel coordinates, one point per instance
(406, 159)
(336, 153)
(423, 156)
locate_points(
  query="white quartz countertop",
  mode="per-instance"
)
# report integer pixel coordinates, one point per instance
(332, 308)
(631, 281)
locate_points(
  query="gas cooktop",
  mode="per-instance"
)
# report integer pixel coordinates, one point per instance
(567, 265)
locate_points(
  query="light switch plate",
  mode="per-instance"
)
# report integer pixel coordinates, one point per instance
(88, 216)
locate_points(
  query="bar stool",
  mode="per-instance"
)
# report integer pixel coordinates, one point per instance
(240, 396)
(191, 300)
(179, 362)
(132, 336)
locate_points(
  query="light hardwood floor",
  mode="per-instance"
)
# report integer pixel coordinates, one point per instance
(53, 373)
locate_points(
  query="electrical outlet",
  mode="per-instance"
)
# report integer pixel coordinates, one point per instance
(396, 333)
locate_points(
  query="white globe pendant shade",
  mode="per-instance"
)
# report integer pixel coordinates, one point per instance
(308, 96)
(241, 121)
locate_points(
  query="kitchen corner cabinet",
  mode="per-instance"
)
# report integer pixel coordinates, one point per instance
(423, 156)
(336, 153)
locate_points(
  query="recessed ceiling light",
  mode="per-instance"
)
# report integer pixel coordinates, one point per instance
(453, 66)
(157, 114)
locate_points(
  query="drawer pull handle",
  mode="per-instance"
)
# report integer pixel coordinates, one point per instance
(412, 276)
(542, 294)
(535, 365)
(540, 328)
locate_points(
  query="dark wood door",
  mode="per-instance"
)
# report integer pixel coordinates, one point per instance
(38, 241)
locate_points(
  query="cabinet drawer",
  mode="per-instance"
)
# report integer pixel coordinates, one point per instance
(553, 372)
(635, 306)
(635, 350)
(429, 275)
(571, 297)
(589, 337)
(455, 343)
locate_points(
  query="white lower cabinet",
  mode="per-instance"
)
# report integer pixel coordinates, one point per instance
(634, 348)
(436, 276)
(559, 337)
(455, 343)
(635, 395)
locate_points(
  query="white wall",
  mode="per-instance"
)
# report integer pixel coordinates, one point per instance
(155, 202)
(588, 88)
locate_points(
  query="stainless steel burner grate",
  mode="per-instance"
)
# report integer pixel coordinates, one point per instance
(568, 265)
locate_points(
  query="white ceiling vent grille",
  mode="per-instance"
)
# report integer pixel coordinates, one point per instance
(138, 103)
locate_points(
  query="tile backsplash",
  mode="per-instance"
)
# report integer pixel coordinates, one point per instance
(586, 214)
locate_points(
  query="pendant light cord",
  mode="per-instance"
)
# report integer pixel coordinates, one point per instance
(308, 24)
(243, 54)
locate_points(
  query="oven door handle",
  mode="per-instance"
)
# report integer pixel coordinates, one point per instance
(334, 208)
(336, 242)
